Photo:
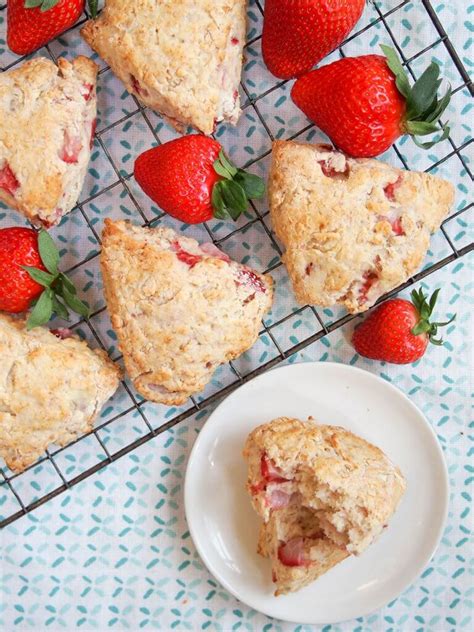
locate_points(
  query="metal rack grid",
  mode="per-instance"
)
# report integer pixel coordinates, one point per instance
(380, 17)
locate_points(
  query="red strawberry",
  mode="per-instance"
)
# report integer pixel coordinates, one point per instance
(399, 331)
(33, 23)
(192, 180)
(365, 103)
(297, 34)
(29, 273)
(18, 247)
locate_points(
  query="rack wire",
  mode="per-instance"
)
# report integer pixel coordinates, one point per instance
(381, 14)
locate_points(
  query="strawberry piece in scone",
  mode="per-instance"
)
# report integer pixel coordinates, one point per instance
(47, 117)
(179, 309)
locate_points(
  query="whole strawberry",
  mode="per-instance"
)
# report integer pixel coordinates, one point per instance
(192, 180)
(33, 23)
(365, 103)
(297, 34)
(399, 331)
(29, 277)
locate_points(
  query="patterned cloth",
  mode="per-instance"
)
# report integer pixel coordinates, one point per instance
(115, 551)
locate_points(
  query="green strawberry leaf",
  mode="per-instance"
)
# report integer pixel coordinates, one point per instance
(425, 310)
(66, 281)
(253, 186)
(60, 309)
(234, 198)
(224, 167)
(42, 311)
(74, 302)
(48, 252)
(93, 8)
(396, 67)
(40, 276)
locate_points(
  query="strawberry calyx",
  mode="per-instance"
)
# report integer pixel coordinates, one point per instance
(425, 310)
(45, 5)
(423, 106)
(59, 292)
(231, 195)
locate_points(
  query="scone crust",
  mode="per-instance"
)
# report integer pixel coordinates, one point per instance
(339, 229)
(182, 58)
(176, 322)
(48, 114)
(51, 390)
(326, 463)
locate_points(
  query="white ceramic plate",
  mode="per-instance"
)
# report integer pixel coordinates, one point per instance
(224, 527)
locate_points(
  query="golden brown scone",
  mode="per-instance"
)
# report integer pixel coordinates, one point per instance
(47, 121)
(353, 229)
(52, 387)
(297, 547)
(350, 483)
(179, 309)
(182, 58)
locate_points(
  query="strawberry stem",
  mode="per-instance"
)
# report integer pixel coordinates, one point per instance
(231, 195)
(59, 291)
(425, 311)
(423, 106)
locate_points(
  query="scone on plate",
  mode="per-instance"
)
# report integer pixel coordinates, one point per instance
(52, 387)
(322, 492)
(47, 123)
(179, 309)
(353, 229)
(182, 59)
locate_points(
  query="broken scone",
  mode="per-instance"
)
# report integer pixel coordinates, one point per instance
(47, 124)
(353, 229)
(179, 309)
(52, 387)
(182, 59)
(323, 493)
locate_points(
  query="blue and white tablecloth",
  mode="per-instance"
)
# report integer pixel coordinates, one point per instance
(115, 551)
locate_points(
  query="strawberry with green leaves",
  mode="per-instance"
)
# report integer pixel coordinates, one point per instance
(30, 277)
(399, 331)
(33, 23)
(192, 180)
(365, 103)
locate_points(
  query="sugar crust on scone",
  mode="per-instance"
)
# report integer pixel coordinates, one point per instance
(353, 229)
(182, 58)
(352, 482)
(179, 309)
(47, 121)
(51, 390)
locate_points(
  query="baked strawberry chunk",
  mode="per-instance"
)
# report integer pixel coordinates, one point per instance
(248, 277)
(277, 498)
(292, 553)
(8, 181)
(370, 278)
(390, 189)
(186, 257)
(270, 472)
(88, 87)
(71, 148)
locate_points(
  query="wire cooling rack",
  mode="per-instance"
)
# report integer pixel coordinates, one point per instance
(62, 468)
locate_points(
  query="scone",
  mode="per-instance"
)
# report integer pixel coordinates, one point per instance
(179, 309)
(52, 387)
(297, 547)
(47, 123)
(353, 229)
(322, 492)
(182, 58)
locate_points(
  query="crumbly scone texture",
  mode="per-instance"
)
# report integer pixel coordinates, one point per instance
(182, 58)
(353, 229)
(179, 309)
(47, 121)
(51, 390)
(350, 483)
(298, 529)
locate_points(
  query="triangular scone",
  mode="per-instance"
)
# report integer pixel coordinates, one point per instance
(52, 387)
(353, 229)
(182, 59)
(179, 309)
(47, 123)
(323, 493)
(297, 547)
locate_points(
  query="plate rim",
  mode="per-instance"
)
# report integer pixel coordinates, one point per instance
(445, 489)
